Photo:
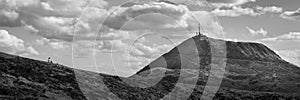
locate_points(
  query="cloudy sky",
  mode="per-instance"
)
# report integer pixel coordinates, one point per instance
(121, 36)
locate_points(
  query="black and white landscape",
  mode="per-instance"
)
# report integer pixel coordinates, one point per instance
(149, 50)
(252, 71)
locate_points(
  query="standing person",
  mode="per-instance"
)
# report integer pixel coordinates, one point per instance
(49, 59)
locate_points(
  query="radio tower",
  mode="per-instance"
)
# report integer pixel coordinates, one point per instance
(199, 29)
(198, 33)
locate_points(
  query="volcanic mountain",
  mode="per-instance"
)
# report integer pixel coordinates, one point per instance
(198, 68)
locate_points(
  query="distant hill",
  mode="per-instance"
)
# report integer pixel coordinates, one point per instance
(193, 70)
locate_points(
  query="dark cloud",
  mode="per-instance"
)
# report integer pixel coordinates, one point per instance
(125, 14)
(9, 18)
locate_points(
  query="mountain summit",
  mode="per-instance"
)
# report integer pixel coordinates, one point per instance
(216, 48)
(198, 68)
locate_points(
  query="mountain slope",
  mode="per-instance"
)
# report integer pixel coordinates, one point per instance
(251, 71)
(198, 68)
(23, 78)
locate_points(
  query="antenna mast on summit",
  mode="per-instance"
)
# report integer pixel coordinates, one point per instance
(199, 29)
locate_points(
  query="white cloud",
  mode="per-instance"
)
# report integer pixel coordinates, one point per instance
(116, 35)
(46, 6)
(53, 19)
(31, 29)
(68, 8)
(55, 44)
(86, 48)
(292, 56)
(238, 11)
(112, 46)
(83, 48)
(229, 3)
(272, 9)
(12, 44)
(110, 42)
(289, 36)
(19, 3)
(291, 15)
(30, 50)
(261, 31)
(147, 51)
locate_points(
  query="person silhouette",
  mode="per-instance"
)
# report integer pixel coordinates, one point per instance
(49, 60)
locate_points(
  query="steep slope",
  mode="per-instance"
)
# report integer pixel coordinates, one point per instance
(198, 68)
